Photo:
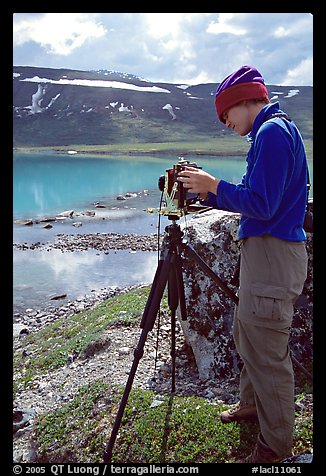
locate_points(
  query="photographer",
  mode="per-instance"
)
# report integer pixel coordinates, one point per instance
(272, 200)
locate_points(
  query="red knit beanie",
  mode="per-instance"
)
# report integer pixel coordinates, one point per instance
(245, 83)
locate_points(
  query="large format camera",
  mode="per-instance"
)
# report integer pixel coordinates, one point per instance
(177, 200)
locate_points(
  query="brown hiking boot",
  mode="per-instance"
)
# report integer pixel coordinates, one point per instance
(262, 453)
(241, 411)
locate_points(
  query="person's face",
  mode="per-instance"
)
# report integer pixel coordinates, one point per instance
(238, 118)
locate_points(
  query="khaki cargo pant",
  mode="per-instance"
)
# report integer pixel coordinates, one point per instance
(272, 275)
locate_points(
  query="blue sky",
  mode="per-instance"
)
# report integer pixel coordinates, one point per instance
(189, 48)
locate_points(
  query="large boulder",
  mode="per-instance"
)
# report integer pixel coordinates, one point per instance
(208, 328)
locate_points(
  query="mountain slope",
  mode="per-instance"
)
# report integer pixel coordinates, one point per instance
(62, 107)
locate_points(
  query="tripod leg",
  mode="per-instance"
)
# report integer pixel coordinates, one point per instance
(176, 296)
(173, 352)
(180, 285)
(301, 367)
(152, 292)
(173, 300)
(147, 323)
(156, 293)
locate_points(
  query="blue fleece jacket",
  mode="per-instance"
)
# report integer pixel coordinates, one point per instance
(273, 192)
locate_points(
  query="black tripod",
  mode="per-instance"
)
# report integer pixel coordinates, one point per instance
(169, 272)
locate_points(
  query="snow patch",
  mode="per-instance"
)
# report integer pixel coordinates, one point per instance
(124, 108)
(169, 108)
(53, 100)
(98, 84)
(37, 99)
(123, 75)
(292, 92)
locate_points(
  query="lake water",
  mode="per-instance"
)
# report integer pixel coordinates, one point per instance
(46, 184)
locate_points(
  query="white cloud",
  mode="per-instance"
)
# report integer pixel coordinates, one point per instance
(168, 47)
(163, 24)
(300, 74)
(281, 32)
(58, 33)
(300, 26)
(223, 25)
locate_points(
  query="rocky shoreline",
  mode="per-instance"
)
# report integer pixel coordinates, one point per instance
(98, 241)
(32, 320)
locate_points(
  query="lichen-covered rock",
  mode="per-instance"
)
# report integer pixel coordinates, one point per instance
(301, 335)
(208, 328)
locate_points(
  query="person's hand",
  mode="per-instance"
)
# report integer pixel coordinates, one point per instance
(198, 181)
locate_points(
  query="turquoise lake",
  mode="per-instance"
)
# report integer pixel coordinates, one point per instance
(47, 184)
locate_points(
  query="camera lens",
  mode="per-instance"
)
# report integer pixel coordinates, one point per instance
(161, 183)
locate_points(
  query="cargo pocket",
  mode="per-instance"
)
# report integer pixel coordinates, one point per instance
(268, 301)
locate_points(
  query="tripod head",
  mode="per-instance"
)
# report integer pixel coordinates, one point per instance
(174, 232)
(173, 218)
